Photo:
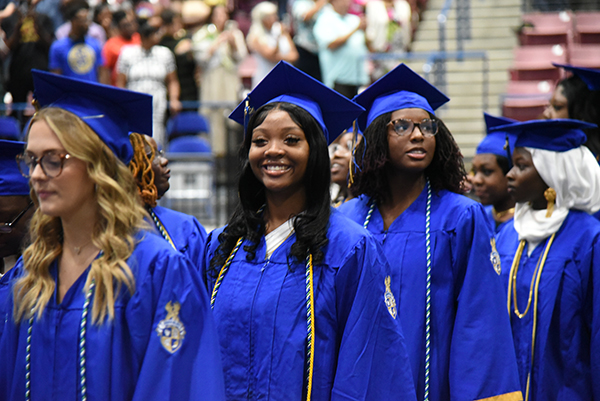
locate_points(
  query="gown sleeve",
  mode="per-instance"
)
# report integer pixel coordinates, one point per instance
(198, 239)
(482, 359)
(373, 362)
(173, 332)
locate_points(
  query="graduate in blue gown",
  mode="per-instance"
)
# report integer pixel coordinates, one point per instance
(101, 308)
(15, 205)
(15, 211)
(409, 178)
(551, 261)
(149, 167)
(302, 296)
(490, 165)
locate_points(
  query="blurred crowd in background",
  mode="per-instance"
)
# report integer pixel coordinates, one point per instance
(196, 55)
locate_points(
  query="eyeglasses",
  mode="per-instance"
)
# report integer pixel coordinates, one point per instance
(51, 163)
(405, 127)
(6, 228)
(157, 155)
(334, 147)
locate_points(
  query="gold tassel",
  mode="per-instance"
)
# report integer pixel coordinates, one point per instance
(550, 195)
(354, 137)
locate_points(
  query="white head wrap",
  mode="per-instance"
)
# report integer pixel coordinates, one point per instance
(575, 176)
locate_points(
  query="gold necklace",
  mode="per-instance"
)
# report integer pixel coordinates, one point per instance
(498, 216)
(78, 249)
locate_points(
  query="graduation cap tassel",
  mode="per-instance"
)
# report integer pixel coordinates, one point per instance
(508, 152)
(354, 139)
(247, 112)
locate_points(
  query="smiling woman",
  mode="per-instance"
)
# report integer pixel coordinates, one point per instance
(409, 178)
(292, 279)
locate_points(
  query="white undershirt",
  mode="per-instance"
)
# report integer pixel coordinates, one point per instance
(278, 236)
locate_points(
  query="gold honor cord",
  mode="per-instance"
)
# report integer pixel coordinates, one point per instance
(310, 309)
(533, 291)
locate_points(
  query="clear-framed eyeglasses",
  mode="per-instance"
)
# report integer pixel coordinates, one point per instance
(402, 127)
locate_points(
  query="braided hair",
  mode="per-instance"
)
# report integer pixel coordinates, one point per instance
(141, 168)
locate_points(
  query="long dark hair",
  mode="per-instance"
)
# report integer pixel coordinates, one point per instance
(247, 220)
(446, 171)
(582, 104)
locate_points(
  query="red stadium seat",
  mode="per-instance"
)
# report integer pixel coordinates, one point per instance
(585, 55)
(530, 87)
(534, 63)
(524, 108)
(547, 29)
(587, 27)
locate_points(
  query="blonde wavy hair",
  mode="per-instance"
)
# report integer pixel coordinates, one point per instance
(120, 216)
(141, 168)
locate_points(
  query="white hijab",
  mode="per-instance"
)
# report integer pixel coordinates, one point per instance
(575, 176)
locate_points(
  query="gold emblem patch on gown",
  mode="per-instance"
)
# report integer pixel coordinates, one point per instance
(171, 330)
(495, 257)
(390, 301)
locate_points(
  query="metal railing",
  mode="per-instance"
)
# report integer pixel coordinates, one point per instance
(435, 66)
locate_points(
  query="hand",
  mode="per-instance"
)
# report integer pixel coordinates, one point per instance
(175, 106)
(362, 24)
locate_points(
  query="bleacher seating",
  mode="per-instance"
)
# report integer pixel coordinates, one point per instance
(545, 38)
(9, 128)
(547, 29)
(534, 63)
(587, 27)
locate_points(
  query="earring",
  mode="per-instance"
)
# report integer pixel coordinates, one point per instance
(550, 195)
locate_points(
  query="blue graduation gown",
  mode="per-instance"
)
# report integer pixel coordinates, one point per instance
(471, 344)
(188, 235)
(125, 358)
(260, 311)
(567, 343)
(489, 214)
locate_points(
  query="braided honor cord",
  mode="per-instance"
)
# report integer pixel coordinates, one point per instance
(427, 284)
(82, 348)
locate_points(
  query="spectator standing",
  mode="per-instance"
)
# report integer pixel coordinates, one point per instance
(94, 30)
(305, 14)
(219, 47)
(342, 48)
(127, 26)
(178, 41)
(150, 68)
(270, 40)
(78, 55)
(29, 36)
(104, 17)
(389, 30)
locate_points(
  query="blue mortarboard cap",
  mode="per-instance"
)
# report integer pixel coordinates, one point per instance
(9, 128)
(495, 142)
(401, 88)
(588, 75)
(111, 112)
(557, 135)
(11, 180)
(285, 83)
